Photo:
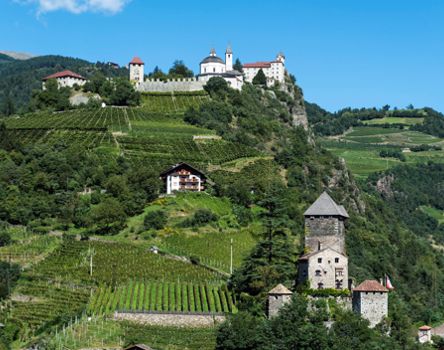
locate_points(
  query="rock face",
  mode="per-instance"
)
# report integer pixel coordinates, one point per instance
(384, 186)
(297, 109)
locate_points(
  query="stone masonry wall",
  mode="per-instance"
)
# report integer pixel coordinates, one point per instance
(175, 320)
(185, 84)
(323, 232)
(276, 302)
(372, 306)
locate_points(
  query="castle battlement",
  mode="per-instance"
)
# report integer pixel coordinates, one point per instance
(149, 80)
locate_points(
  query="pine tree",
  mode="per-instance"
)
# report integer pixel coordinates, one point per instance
(260, 78)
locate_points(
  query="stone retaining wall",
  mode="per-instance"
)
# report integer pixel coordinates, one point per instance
(171, 319)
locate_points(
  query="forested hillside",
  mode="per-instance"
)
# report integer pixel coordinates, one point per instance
(80, 214)
(20, 77)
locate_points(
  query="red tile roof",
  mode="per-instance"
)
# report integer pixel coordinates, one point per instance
(257, 65)
(136, 60)
(370, 286)
(65, 73)
(425, 328)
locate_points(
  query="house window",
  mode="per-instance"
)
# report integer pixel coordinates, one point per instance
(214, 70)
(319, 260)
(318, 272)
(336, 260)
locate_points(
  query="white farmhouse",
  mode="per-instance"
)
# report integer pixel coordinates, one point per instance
(65, 79)
(273, 70)
(183, 177)
(214, 66)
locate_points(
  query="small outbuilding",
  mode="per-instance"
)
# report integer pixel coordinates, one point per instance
(183, 177)
(425, 334)
(278, 297)
(138, 347)
(370, 300)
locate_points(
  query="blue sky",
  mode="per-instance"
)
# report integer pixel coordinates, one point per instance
(343, 52)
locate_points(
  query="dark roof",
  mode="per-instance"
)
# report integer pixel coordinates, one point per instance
(370, 286)
(181, 165)
(309, 255)
(136, 60)
(229, 74)
(65, 73)
(326, 206)
(138, 347)
(212, 59)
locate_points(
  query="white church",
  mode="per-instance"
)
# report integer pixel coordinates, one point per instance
(211, 66)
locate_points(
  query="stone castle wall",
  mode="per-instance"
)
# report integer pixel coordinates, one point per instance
(184, 84)
(171, 319)
(372, 306)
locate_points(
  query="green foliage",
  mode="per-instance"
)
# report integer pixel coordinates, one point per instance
(180, 70)
(260, 78)
(200, 217)
(238, 65)
(9, 274)
(5, 238)
(387, 153)
(155, 220)
(52, 97)
(216, 86)
(123, 93)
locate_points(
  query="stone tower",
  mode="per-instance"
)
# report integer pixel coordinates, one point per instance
(280, 57)
(325, 225)
(136, 68)
(324, 264)
(229, 59)
(370, 300)
(278, 297)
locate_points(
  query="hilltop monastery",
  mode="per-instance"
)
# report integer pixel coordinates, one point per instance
(210, 66)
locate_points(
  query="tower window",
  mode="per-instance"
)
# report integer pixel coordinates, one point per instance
(336, 260)
(319, 260)
(318, 272)
(320, 285)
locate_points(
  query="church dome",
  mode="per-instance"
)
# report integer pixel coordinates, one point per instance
(212, 59)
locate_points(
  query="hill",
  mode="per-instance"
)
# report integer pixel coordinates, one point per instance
(20, 77)
(5, 58)
(80, 204)
(17, 55)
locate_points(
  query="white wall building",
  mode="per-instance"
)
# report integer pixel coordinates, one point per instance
(137, 70)
(65, 79)
(183, 177)
(214, 66)
(273, 70)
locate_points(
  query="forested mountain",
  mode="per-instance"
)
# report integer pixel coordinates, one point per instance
(20, 77)
(93, 175)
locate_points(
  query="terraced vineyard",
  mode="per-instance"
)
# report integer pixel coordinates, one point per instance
(116, 263)
(142, 296)
(172, 102)
(37, 304)
(141, 135)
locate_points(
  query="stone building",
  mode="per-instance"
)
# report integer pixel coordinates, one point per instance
(183, 177)
(138, 347)
(273, 70)
(66, 78)
(325, 268)
(370, 300)
(137, 70)
(277, 298)
(325, 263)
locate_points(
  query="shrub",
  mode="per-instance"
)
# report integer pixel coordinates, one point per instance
(5, 238)
(155, 220)
(201, 217)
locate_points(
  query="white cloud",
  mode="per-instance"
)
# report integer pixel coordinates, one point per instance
(79, 6)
